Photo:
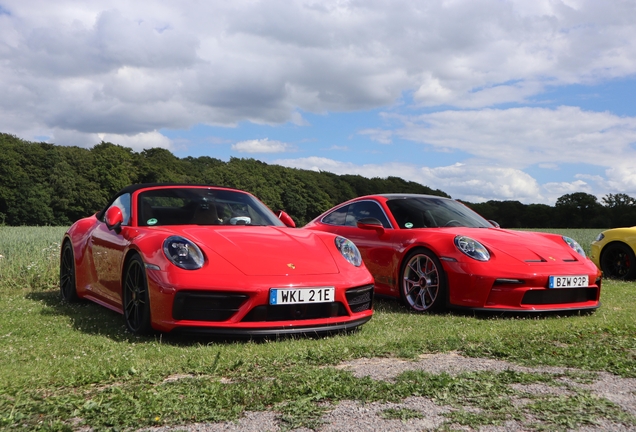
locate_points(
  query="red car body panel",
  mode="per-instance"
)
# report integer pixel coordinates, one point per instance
(520, 262)
(239, 260)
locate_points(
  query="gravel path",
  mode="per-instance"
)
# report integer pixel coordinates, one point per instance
(357, 417)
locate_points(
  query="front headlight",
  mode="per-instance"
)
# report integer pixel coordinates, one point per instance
(472, 248)
(183, 253)
(599, 237)
(349, 251)
(574, 245)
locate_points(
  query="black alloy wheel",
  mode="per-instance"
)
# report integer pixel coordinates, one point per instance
(423, 282)
(68, 287)
(618, 262)
(136, 298)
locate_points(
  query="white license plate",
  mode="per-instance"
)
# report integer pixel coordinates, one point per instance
(279, 296)
(568, 281)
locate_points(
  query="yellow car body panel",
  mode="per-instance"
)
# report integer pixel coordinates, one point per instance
(614, 252)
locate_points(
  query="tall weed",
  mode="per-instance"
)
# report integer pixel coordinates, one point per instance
(29, 257)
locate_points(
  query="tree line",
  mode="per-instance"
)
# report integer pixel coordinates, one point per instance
(47, 184)
(575, 210)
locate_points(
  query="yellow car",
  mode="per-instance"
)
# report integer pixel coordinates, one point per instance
(614, 252)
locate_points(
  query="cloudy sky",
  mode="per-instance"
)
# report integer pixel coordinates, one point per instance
(485, 99)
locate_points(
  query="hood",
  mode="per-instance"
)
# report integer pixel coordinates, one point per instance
(525, 246)
(266, 251)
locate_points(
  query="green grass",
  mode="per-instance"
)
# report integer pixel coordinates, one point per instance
(60, 362)
(400, 414)
(30, 258)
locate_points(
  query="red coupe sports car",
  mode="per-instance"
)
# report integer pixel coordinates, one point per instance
(434, 252)
(212, 259)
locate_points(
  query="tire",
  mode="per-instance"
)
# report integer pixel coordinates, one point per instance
(618, 262)
(135, 297)
(68, 286)
(423, 282)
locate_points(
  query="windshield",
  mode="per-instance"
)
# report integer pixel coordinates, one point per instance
(202, 206)
(430, 212)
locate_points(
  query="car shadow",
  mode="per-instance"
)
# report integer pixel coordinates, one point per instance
(91, 318)
(84, 316)
(388, 304)
(485, 315)
(394, 305)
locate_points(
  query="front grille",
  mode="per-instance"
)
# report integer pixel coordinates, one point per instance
(295, 312)
(198, 306)
(559, 296)
(360, 299)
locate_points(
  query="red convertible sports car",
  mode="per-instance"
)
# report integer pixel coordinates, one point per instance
(212, 259)
(434, 252)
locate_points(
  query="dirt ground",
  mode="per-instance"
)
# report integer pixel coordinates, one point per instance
(354, 416)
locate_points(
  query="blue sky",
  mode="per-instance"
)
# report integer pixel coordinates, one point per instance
(483, 99)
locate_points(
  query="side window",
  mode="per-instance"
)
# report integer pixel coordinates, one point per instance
(365, 209)
(123, 202)
(409, 214)
(336, 217)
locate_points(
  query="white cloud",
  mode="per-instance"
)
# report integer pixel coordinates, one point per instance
(261, 146)
(134, 67)
(521, 137)
(137, 142)
(475, 183)
(622, 177)
(496, 145)
(339, 148)
(558, 189)
(381, 136)
(478, 183)
(79, 72)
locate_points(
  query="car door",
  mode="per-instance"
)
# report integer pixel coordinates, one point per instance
(106, 248)
(377, 247)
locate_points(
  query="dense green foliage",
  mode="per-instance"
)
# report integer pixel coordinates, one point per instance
(576, 210)
(46, 184)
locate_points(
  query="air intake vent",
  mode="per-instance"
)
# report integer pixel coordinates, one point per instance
(559, 296)
(504, 281)
(205, 306)
(360, 299)
(295, 312)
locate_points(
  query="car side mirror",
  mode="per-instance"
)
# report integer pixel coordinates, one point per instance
(114, 218)
(494, 223)
(371, 224)
(286, 219)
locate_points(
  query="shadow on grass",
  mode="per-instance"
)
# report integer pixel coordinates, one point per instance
(394, 305)
(91, 318)
(85, 316)
(521, 315)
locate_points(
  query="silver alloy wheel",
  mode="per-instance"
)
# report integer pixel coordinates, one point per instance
(421, 282)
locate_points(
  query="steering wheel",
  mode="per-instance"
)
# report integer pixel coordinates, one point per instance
(453, 222)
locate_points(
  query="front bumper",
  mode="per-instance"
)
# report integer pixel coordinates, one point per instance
(240, 307)
(520, 289)
(315, 330)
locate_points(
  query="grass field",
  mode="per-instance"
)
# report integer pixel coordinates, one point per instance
(65, 366)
